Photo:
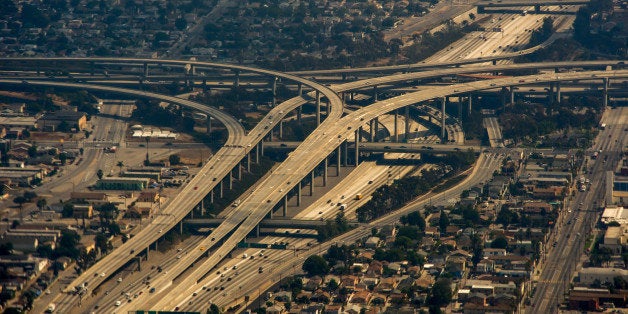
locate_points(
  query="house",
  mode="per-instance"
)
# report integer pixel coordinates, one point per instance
(375, 268)
(275, 309)
(536, 207)
(320, 296)
(283, 296)
(313, 283)
(333, 309)
(372, 242)
(360, 297)
(349, 282)
(386, 285)
(456, 265)
(83, 211)
(494, 252)
(148, 196)
(485, 266)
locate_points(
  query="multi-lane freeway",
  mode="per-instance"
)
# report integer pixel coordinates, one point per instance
(277, 185)
(310, 153)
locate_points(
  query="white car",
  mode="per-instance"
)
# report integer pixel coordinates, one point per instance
(118, 303)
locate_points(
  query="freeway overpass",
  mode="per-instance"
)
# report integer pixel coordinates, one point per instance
(260, 203)
(483, 5)
(390, 147)
(211, 175)
(266, 223)
(322, 142)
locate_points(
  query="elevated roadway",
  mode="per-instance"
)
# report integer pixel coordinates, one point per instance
(233, 160)
(220, 166)
(390, 147)
(310, 153)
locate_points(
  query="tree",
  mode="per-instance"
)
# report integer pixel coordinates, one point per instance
(181, 23)
(20, 200)
(213, 309)
(333, 285)
(441, 293)
(63, 157)
(102, 243)
(443, 222)
(6, 248)
(315, 265)
(174, 159)
(68, 210)
(32, 151)
(41, 203)
(100, 174)
(120, 164)
(29, 195)
(499, 243)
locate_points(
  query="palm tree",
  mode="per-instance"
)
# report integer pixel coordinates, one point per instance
(120, 164)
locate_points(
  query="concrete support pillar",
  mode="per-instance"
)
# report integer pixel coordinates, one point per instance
(236, 82)
(558, 96)
(346, 153)
(204, 85)
(211, 196)
(181, 227)
(274, 84)
(270, 213)
(209, 124)
(299, 186)
(257, 231)
(407, 125)
(460, 109)
(550, 96)
(376, 129)
(248, 162)
(299, 89)
(257, 153)
(469, 104)
(375, 93)
(442, 124)
(396, 131)
(325, 166)
(299, 113)
(605, 93)
(281, 129)
(202, 207)
(503, 96)
(231, 179)
(145, 72)
(357, 147)
(328, 108)
(147, 251)
(318, 108)
(512, 95)
(261, 146)
(372, 131)
(338, 161)
(285, 205)
(239, 171)
(220, 187)
(312, 183)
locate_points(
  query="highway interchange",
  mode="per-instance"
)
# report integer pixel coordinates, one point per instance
(440, 92)
(332, 132)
